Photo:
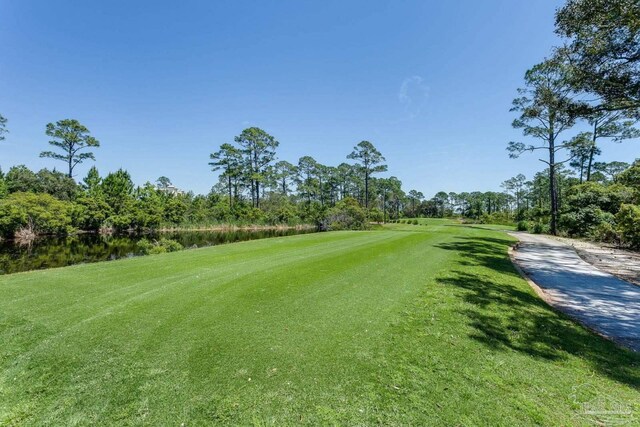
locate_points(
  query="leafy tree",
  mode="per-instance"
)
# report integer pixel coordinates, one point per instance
(148, 208)
(583, 149)
(441, 199)
(40, 213)
(175, 209)
(163, 182)
(345, 177)
(57, 184)
(611, 169)
(370, 160)
(259, 150)
(307, 182)
(331, 185)
(546, 110)
(397, 195)
(614, 125)
(631, 178)
(384, 187)
(117, 190)
(229, 160)
(21, 179)
(516, 187)
(603, 49)
(90, 212)
(415, 197)
(91, 183)
(284, 173)
(346, 215)
(70, 137)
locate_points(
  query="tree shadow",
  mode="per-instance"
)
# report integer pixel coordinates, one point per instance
(482, 251)
(505, 314)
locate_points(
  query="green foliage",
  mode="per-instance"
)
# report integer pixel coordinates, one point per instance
(40, 213)
(522, 226)
(376, 215)
(279, 210)
(91, 183)
(3, 187)
(258, 147)
(631, 176)
(605, 232)
(163, 245)
(602, 45)
(371, 161)
(21, 179)
(539, 228)
(582, 221)
(147, 208)
(174, 209)
(628, 219)
(592, 194)
(117, 190)
(90, 212)
(57, 184)
(70, 137)
(346, 215)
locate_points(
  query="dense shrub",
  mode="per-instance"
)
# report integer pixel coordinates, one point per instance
(90, 213)
(605, 232)
(539, 228)
(581, 221)
(590, 195)
(163, 245)
(522, 226)
(40, 213)
(628, 219)
(376, 215)
(346, 215)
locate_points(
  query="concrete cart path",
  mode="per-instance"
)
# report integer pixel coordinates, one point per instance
(601, 301)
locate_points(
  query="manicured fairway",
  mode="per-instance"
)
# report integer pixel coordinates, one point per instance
(411, 324)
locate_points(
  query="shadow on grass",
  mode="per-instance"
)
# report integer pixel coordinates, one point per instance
(506, 315)
(488, 227)
(487, 252)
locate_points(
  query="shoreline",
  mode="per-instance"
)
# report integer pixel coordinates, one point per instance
(214, 228)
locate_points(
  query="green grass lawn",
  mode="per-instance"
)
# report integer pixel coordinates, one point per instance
(422, 325)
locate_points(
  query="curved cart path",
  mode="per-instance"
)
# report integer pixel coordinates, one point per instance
(600, 300)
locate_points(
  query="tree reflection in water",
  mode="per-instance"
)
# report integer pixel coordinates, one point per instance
(49, 252)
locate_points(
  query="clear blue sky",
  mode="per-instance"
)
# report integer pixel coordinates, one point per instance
(163, 84)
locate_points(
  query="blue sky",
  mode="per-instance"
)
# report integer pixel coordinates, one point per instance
(163, 84)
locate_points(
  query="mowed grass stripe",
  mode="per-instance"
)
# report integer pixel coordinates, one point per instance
(108, 283)
(407, 325)
(179, 294)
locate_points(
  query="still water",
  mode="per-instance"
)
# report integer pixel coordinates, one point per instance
(48, 252)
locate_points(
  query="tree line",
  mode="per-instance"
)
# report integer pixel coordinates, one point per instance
(254, 187)
(585, 93)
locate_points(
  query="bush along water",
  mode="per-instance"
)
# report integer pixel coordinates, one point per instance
(163, 245)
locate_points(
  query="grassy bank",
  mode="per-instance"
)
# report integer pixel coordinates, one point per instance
(404, 325)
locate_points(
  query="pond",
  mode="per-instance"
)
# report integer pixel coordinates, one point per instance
(49, 252)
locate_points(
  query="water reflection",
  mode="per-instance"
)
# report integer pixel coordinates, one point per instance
(48, 252)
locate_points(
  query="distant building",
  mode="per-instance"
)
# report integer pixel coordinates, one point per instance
(171, 189)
